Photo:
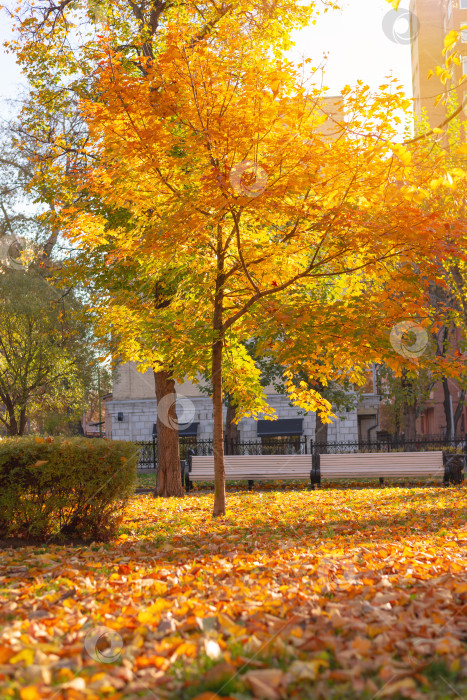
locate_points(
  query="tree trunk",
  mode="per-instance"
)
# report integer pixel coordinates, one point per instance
(447, 404)
(410, 418)
(218, 438)
(409, 407)
(22, 421)
(321, 433)
(231, 428)
(169, 480)
(217, 398)
(12, 428)
(12, 425)
(459, 409)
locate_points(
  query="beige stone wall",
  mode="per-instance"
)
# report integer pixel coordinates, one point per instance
(427, 47)
(129, 383)
(435, 19)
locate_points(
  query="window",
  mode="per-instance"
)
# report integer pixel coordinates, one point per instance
(464, 65)
(462, 4)
(282, 445)
(450, 8)
(280, 427)
(464, 35)
(281, 436)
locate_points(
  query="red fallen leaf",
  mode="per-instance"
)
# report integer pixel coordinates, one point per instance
(5, 654)
(124, 569)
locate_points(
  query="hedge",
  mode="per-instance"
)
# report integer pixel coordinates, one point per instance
(64, 488)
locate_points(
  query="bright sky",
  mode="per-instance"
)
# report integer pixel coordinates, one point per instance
(357, 45)
(354, 40)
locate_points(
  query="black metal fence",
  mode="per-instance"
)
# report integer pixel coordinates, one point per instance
(394, 444)
(303, 445)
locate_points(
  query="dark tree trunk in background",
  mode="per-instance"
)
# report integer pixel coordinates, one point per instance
(12, 426)
(231, 428)
(447, 404)
(321, 433)
(459, 409)
(22, 421)
(169, 480)
(410, 418)
(409, 407)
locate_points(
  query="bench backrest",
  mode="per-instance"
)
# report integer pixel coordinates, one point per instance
(254, 466)
(381, 464)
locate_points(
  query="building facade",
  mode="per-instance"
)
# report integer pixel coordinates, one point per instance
(431, 22)
(131, 413)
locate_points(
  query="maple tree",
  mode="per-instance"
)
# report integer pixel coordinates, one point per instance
(219, 154)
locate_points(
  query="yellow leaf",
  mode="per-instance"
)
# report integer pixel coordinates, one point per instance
(450, 39)
(462, 588)
(30, 692)
(230, 626)
(185, 649)
(152, 614)
(26, 655)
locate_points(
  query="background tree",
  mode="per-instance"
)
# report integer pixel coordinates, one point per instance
(45, 355)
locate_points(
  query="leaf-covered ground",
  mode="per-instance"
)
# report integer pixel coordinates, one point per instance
(336, 593)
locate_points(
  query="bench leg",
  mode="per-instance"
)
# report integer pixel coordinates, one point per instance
(381, 481)
(250, 484)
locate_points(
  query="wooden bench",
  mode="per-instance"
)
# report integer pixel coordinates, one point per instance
(253, 468)
(381, 465)
(362, 465)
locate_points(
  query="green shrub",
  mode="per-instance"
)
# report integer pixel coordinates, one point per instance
(64, 488)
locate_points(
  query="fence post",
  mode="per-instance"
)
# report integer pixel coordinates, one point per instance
(154, 452)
